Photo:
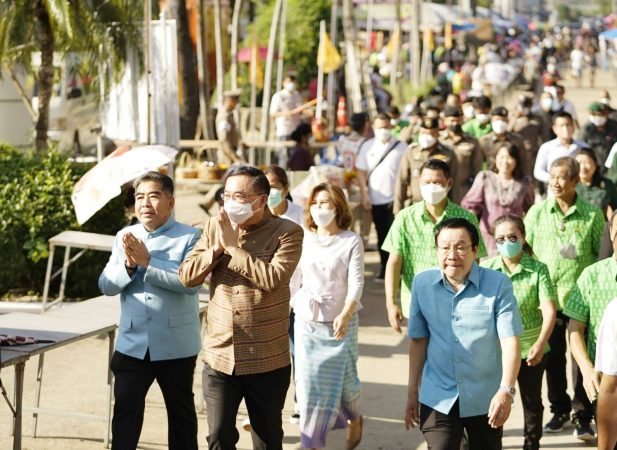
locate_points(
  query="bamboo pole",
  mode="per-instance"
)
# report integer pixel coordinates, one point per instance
(235, 24)
(352, 68)
(322, 32)
(265, 105)
(281, 54)
(414, 37)
(204, 78)
(220, 80)
(147, 57)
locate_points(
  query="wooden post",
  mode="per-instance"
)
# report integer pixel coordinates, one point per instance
(203, 73)
(352, 68)
(147, 57)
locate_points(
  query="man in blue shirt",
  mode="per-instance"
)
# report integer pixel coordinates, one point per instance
(159, 332)
(464, 355)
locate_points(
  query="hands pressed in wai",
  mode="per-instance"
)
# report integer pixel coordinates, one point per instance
(135, 251)
(227, 233)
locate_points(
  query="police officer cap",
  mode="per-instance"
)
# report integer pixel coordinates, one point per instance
(598, 107)
(232, 93)
(430, 123)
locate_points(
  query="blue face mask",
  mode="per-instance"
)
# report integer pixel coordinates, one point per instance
(509, 249)
(275, 198)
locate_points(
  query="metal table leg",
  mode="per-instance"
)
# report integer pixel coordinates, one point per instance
(50, 263)
(18, 396)
(37, 395)
(110, 384)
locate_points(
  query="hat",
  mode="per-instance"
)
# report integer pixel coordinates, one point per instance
(598, 107)
(430, 123)
(232, 93)
(453, 111)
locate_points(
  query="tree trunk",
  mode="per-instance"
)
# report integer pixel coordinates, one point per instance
(187, 60)
(46, 72)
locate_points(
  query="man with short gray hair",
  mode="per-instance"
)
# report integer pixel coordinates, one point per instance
(564, 232)
(159, 332)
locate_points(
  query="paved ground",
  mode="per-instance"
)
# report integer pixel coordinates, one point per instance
(75, 377)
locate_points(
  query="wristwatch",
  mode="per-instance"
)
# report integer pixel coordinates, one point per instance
(510, 390)
(129, 268)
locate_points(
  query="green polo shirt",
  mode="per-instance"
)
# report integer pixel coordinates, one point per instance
(532, 286)
(582, 226)
(476, 129)
(412, 237)
(594, 290)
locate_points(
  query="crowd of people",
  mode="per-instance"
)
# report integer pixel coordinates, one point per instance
(496, 240)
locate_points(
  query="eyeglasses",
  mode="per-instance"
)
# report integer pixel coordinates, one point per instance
(501, 239)
(460, 250)
(238, 196)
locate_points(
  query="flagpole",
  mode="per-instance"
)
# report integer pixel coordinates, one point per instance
(322, 31)
(332, 100)
(253, 80)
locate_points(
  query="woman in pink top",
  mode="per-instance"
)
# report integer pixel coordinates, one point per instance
(502, 190)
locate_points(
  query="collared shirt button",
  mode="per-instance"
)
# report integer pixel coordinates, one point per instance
(456, 340)
(237, 291)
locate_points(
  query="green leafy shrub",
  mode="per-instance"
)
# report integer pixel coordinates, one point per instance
(35, 204)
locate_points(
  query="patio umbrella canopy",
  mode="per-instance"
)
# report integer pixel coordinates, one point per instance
(104, 181)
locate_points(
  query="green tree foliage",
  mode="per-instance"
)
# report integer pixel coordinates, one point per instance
(35, 200)
(301, 35)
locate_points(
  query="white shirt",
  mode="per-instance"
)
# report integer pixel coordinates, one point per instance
(549, 152)
(577, 57)
(284, 101)
(332, 269)
(611, 156)
(382, 179)
(295, 213)
(606, 348)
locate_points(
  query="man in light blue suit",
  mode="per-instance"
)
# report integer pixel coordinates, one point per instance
(159, 332)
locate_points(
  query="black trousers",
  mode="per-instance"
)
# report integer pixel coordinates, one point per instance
(382, 218)
(133, 378)
(556, 376)
(530, 387)
(264, 395)
(445, 431)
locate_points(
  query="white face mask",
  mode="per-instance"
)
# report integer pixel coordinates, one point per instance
(383, 134)
(468, 111)
(605, 100)
(546, 103)
(433, 193)
(426, 140)
(238, 212)
(290, 86)
(499, 126)
(322, 216)
(483, 118)
(598, 121)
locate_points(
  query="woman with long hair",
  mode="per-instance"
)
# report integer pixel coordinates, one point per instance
(326, 323)
(593, 187)
(536, 297)
(499, 191)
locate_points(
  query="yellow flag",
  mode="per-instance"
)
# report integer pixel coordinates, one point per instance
(327, 55)
(428, 39)
(448, 35)
(257, 71)
(395, 41)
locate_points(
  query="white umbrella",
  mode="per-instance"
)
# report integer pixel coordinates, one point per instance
(104, 181)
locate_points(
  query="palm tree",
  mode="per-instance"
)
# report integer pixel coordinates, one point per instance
(99, 29)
